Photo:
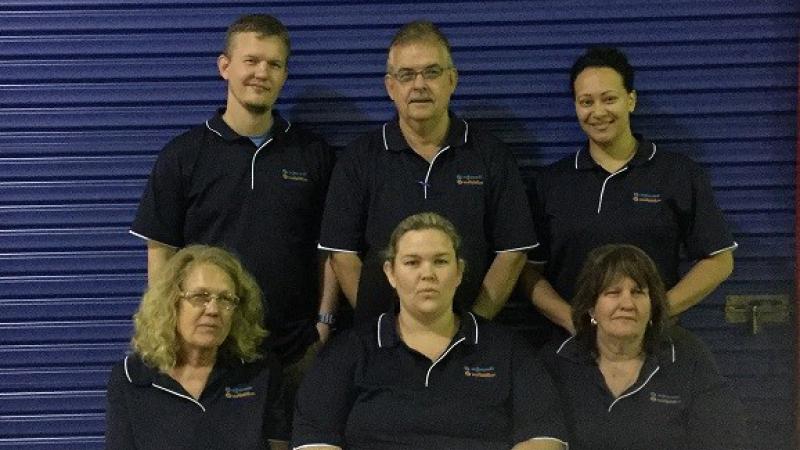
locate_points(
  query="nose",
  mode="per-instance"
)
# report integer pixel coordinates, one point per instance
(212, 307)
(427, 271)
(261, 69)
(419, 81)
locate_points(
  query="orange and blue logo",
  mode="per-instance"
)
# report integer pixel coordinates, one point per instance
(641, 197)
(295, 175)
(469, 180)
(239, 392)
(480, 372)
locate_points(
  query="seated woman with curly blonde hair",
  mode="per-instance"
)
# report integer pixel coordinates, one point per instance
(196, 378)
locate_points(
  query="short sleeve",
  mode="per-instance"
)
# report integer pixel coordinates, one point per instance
(326, 395)
(536, 198)
(276, 426)
(509, 213)
(344, 219)
(119, 434)
(716, 418)
(707, 232)
(162, 209)
(536, 410)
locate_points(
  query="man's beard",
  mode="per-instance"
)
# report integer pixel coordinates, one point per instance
(257, 109)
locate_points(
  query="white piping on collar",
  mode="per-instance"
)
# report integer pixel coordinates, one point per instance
(441, 357)
(380, 321)
(253, 164)
(141, 236)
(178, 394)
(314, 445)
(127, 375)
(428, 174)
(386, 143)
(563, 344)
(603, 189)
(289, 125)
(208, 125)
(576, 159)
(635, 390)
(653, 153)
(474, 321)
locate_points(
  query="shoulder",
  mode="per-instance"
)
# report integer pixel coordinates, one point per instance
(675, 162)
(686, 347)
(306, 138)
(132, 370)
(189, 139)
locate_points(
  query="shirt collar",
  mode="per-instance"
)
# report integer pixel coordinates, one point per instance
(139, 373)
(218, 126)
(645, 152)
(573, 350)
(457, 134)
(387, 335)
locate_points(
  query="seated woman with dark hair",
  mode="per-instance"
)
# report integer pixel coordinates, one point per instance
(625, 382)
(426, 376)
(196, 379)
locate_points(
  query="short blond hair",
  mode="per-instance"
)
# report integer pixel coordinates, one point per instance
(155, 337)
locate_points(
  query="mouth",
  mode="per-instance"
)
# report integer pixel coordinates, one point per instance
(420, 101)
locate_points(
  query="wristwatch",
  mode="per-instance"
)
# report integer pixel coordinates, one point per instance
(326, 318)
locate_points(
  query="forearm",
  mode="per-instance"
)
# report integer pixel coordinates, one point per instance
(699, 281)
(347, 267)
(157, 256)
(498, 283)
(329, 293)
(540, 444)
(545, 298)
(278, 445)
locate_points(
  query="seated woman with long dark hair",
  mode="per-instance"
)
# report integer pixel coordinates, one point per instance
(426, 375)
(625, 382)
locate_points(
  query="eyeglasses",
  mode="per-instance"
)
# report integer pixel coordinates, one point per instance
(409, 75)
(201, 299)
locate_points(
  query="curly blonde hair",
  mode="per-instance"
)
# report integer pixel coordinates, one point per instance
(155, 337)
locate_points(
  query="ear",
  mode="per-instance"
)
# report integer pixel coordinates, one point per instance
(388, 270)
(631, 100)
(223, 62)
(461, 265)
(453, 79)
(388, 83)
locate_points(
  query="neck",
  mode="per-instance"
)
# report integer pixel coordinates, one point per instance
(619, 349)
(197, 358)
(246, 122)
(426, 137)
(614, 155)
(442, 325)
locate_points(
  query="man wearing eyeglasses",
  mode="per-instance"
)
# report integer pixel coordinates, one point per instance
(426, 159)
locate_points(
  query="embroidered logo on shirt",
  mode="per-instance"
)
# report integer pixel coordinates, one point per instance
(294, 175)
(665, 398)
(646, 198)
(239, 392)
(471, 180)
(480, 372)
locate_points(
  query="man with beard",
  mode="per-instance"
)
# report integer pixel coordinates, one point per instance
(249, 181)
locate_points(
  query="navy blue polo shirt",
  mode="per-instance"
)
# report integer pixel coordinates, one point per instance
(473, 181)
(240, 408)
(679, 401)
(659, 202)
(368, 390)
(213, 186)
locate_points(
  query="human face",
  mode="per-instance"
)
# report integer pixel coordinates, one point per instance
(622, 310)
(255, 69)
(603, 106)
(425, 273)
(204, 328)
(420, 101)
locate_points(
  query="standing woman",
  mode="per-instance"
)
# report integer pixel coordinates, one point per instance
(625, 382)
(621, 188)
(196, 379)
(425, 375)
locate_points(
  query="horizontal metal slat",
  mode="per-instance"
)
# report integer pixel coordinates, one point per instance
(84, 285)
(31, 425)
(65, 331)
(63, 239)
(85, 354)
(50, 263)
(69, 308)
(52, 402)
(71, 192)
(53, 378)
(20, 217)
